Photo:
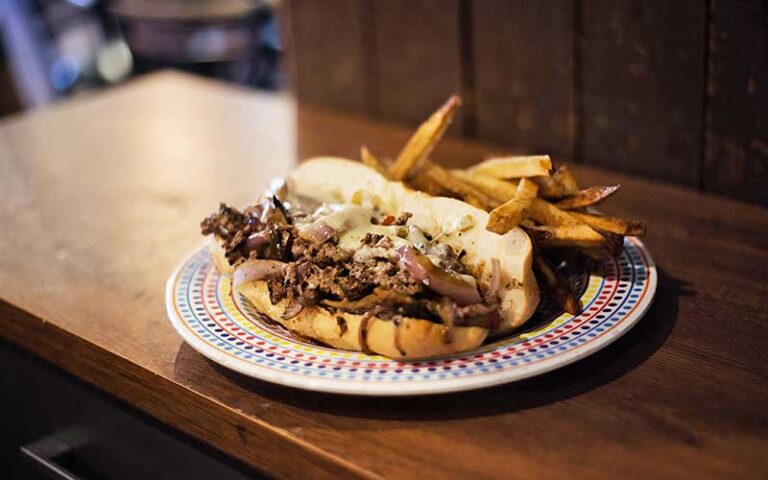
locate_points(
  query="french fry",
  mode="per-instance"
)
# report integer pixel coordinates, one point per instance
(440, 176)
(560, 184)
(556, 286)
(615, 243)
(509, 215)
(501, 190)
(613, 247)
(424, 139)
(567, 180)
(589, 196)
(519, 191)
(567, 236)
(367, 158)
(423, 183)
(547, 214)
(548, 187)
(615, 225)
(514, 167)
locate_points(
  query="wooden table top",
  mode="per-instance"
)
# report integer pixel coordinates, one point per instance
(101, 196)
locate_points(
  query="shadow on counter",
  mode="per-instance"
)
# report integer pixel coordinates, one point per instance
(619, 358)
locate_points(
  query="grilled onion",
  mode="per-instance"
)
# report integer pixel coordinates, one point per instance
(441, 281)
(292, 310)
(252, 270)
(257, 239)
(317, 232)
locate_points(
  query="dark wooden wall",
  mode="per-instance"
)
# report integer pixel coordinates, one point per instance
(672, 90)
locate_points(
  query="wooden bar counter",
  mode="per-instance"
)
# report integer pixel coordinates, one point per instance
(100, 198)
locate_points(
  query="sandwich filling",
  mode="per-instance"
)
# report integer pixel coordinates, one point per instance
(352, 258)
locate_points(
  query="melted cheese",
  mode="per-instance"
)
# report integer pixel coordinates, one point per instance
(457, 223)
(353, 222)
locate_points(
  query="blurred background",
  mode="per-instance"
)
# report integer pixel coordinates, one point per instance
(55, 49)
(670, 90)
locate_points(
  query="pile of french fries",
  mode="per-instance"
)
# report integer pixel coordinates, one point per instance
(517, 191)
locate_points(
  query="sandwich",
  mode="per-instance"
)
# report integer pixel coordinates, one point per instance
(342, 255)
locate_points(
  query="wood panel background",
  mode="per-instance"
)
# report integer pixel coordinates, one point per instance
(674, 91)
(415, 57)
(642, 87)
(523, 74)
(328, 57)
(736, 160)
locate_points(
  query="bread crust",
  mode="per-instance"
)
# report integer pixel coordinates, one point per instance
(218, 255)
(335, 180)
(343, 181)
(408, 338)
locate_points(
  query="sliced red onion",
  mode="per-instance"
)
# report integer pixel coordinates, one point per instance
(257, 239)
(292, 310)
(410, 259)
(493, 287)
(252, 270)
(439, 280)
(317, 232)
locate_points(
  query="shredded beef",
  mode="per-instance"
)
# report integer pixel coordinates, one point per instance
(277, 289)
(232, 228)
(479, 314)
(376, 240)
(326, 271)
(403, 218)
(225, 223)
(329, 253)
(371, 239)
(316, 273)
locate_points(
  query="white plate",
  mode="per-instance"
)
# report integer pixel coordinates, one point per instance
(230, 332)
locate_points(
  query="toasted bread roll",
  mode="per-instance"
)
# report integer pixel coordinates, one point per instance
(449, 221)
(410, 338)
(454, 222)
(219, 256)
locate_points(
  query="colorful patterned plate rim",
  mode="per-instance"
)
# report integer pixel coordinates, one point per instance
(229, 332)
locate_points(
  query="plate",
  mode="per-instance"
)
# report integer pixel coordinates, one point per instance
(230, 332)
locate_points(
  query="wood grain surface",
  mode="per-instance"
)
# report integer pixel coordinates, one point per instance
(326, 52)
(736, 160)
(101, 197)
(416, 60)
(524, 74)
(642, 86)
